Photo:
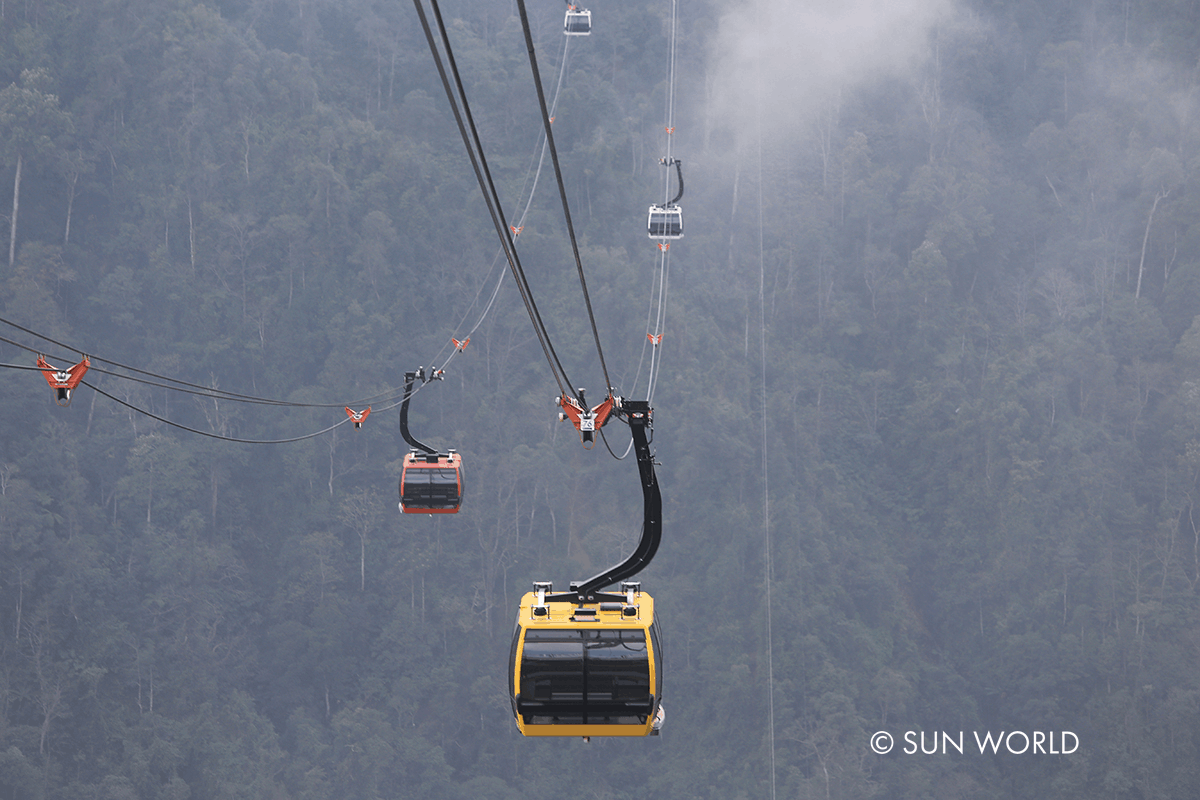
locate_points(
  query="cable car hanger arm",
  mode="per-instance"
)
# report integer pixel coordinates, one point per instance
(409, 377)
(679, 174)
(638, 414)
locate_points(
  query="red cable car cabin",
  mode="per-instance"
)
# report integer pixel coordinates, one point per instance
(431, 483)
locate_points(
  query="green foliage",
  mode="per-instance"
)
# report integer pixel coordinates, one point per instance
(30, 118)
(964, 467)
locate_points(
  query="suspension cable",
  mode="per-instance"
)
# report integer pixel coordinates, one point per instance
(656, 309)
(670, 126)
(544, 146)
(478, 160)
(175, 384)
(660, 323)
(664, 259)
(562, 191)
(209, 434)
(538, 158)
(768, 564)
(210, 395)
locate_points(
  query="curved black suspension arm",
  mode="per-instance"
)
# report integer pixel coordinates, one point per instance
(638, 414)
(678, 172)
(409, 377)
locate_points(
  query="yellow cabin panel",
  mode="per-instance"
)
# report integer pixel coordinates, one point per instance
(592, 669)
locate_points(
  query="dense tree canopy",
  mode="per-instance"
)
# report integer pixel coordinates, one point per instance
(928, 416)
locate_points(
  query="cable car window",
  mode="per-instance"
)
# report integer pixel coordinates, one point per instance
(575, 677)
(656, 643)
(431, 487)
(617, 666)
(553, 670)
(512, 659)
(442, 476)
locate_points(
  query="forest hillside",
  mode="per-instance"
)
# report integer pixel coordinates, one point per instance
(926, 405)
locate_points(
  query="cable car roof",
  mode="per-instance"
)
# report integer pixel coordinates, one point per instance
(634, 610)
(418, 459)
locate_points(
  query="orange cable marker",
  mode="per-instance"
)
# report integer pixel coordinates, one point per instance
(63, 382)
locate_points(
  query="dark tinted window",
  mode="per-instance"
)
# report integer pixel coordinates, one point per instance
(512, 663)
(656, 644)
(666, 223)
(599, 677)
(430, 487)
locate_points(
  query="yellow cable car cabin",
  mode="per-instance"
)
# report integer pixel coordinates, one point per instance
(431, 483)
(587, 668)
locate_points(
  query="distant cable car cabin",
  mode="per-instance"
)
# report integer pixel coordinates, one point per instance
(430, 482)
(590, 669)
(666, 221)
(587, 662)
(578, 21)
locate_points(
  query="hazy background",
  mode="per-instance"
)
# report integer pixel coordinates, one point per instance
(929, 380)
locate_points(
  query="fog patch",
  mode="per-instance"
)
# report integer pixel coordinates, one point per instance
(788, 60)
